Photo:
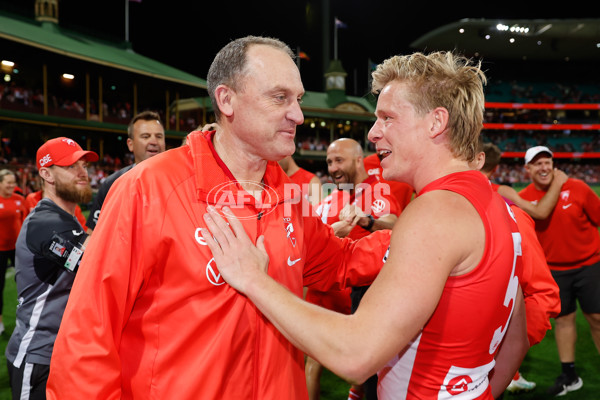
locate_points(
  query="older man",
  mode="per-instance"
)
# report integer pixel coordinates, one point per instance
(150, 315)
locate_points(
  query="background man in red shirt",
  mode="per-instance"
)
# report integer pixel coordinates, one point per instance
(571, 243)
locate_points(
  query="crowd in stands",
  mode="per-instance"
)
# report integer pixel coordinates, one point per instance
(14, 97)
(19, 98)
(513, 91)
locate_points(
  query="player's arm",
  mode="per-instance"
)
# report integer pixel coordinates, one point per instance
(61, 242)
(512, 351)
(545, 205)
(353, 215)
(383, 222)
(406, 291)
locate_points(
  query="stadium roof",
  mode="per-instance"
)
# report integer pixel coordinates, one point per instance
(532, 39)
(53, 38)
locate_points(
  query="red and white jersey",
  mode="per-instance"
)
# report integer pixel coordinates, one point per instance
(454, 352)
(371, 196)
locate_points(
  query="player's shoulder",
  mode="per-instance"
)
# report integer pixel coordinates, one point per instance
(47, 216)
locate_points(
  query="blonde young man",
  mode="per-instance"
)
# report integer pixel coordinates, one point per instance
(436, 321)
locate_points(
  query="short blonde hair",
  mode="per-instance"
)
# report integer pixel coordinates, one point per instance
(5, 172)
(442, 79)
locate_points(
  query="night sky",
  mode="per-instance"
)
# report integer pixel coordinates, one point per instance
(187, 34)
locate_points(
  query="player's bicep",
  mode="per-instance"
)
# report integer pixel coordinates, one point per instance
(422, 255)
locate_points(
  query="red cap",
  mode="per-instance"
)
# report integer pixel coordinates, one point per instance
(63, 152)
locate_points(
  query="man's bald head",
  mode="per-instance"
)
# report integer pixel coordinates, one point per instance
(349, 146)
(345, 162)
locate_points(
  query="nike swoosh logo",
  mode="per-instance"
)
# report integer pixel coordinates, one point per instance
(567, 206)
(77, 233)
(292, 262)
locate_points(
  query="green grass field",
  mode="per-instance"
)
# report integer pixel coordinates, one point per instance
(541, 364)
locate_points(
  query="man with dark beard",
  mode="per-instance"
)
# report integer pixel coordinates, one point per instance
(48, 251)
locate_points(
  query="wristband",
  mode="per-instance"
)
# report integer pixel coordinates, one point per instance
(370, 224)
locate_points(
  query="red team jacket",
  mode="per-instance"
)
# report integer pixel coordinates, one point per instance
(454, 353)
(542, 299)
(149, 316)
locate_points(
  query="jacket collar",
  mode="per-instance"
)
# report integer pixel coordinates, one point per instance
(215, 184)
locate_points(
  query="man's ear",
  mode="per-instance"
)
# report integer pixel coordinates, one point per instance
(439, 121)
(224, 96)
(46, 175)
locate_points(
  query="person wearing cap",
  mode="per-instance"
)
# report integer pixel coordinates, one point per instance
(145, 138)
(571, 243)
(12, 214)
(48, 250)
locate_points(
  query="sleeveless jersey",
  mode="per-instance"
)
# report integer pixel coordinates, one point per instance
(454, 352)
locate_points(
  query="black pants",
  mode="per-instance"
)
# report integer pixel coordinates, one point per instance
(30, 378)
(370, 385)
(5, 256)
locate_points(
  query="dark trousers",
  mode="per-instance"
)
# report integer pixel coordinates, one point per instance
(370, 385)
(30, 379)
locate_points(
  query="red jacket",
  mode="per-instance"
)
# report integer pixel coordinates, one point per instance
(149, 316)
(542, 300)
